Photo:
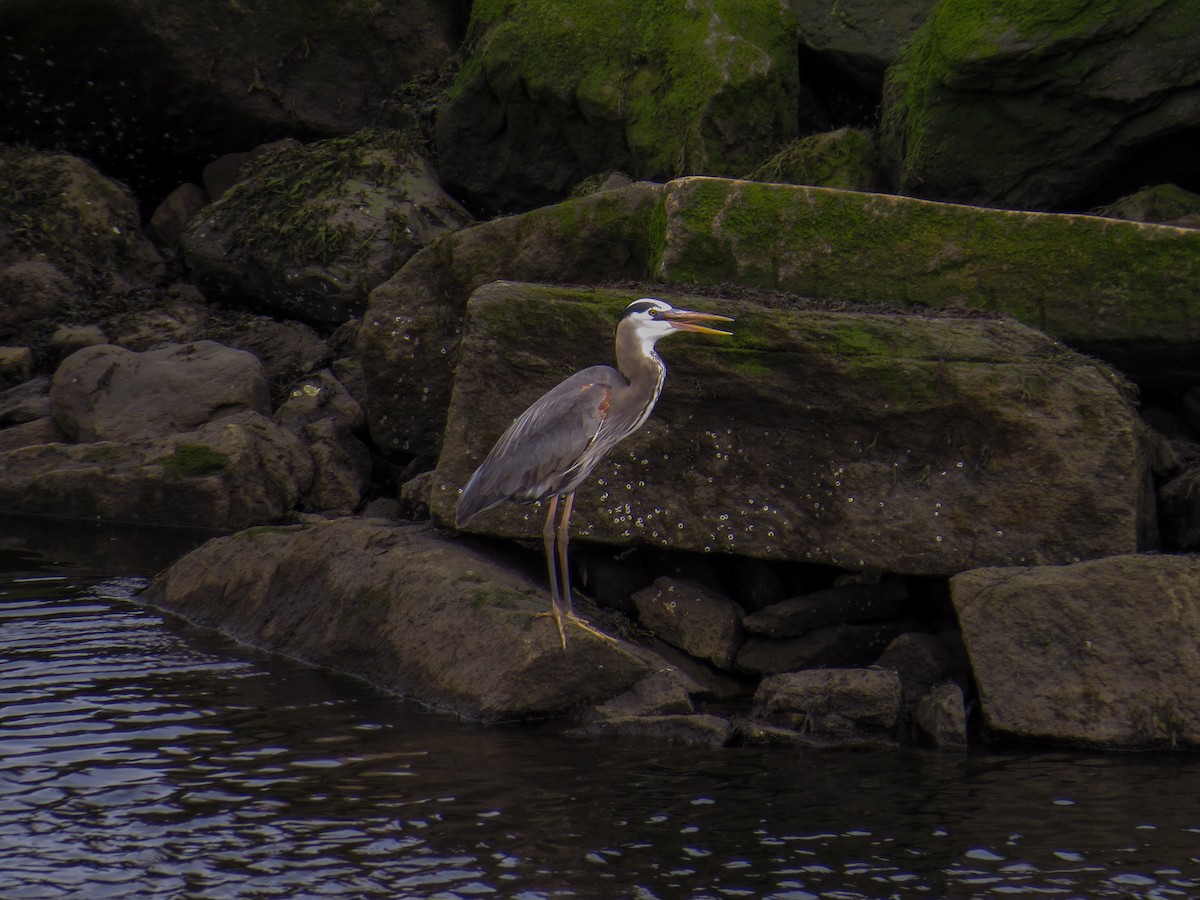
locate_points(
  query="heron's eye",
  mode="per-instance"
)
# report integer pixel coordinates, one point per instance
(654, 312)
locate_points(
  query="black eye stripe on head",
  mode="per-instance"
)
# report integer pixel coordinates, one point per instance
(639, 306)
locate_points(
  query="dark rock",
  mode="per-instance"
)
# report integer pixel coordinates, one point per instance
(77, 239)
(831, 703)
(225, 171)
(1179, 512)
(25, 402)
(1191, 408)
(170, 216)
(31, 290)
(206, 78)
(1064, 100)
(609, 578)
(849, 604)
(309, 230)
(1099, 653)
(861, 39)
(237, 471)
(288, 350)
(973, 439)
(756, 584)
(699, 730)
(180, 317)
(342, 468)
(16, 366)
(403, 608)
(1165, 204)
(29, 434)
(545, 98)
(847, 159)
(319, 397)
(700, 622)
(833, 646)
(107, 393)
(941, 716)
(69, 338)
(921, 660)
(664, 693)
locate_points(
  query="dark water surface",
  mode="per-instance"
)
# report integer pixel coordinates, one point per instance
(141, 757)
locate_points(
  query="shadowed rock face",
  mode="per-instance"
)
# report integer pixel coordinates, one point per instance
(977, 107)
(555, 92)
(901, 443)
(1102, 652)
(404, 608)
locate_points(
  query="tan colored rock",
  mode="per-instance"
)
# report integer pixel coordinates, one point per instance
(108, 393)
(402, 607)
(695, 619)
(1104, 653)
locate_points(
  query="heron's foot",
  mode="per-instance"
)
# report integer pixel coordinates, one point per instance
(589, 627)
(558, 620)
(572, 619)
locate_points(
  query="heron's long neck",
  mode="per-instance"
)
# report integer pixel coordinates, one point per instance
(643, 368)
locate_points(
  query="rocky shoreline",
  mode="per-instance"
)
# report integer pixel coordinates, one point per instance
(939, 487)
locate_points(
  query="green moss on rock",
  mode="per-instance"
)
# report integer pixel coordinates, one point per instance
(1084, 279)
(194, 461)
(669, 81)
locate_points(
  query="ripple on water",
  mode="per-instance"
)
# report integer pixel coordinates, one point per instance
(142, 758)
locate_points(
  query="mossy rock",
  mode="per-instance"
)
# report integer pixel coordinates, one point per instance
(554, 91)
(70, 241)
(847, 159)
(1036, 105)
(309, 230)
(1129, 292)
(1166, 204)
(917, 444)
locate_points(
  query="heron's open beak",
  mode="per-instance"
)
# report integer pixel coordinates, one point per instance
(685, 320)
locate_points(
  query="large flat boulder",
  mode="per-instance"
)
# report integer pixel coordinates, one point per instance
(1105, 652)
(1128, 292)
(910, 444)
(405, 608)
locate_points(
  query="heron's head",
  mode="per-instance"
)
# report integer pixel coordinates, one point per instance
(652, 319)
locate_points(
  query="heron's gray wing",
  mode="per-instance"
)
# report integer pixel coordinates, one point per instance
(539, 452)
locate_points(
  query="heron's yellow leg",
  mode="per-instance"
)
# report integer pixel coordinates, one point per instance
(548, 541)
(564, 568)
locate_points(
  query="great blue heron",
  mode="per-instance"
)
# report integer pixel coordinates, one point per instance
(550, 450)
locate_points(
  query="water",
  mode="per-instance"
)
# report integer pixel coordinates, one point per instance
(140, 757)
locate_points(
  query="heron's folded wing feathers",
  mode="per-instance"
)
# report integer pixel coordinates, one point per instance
(539, 452)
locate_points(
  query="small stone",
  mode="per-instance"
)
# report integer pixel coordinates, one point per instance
(693, 618)
(942, 717)
(16, 365)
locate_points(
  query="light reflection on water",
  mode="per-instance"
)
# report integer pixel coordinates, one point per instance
(142, 758)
